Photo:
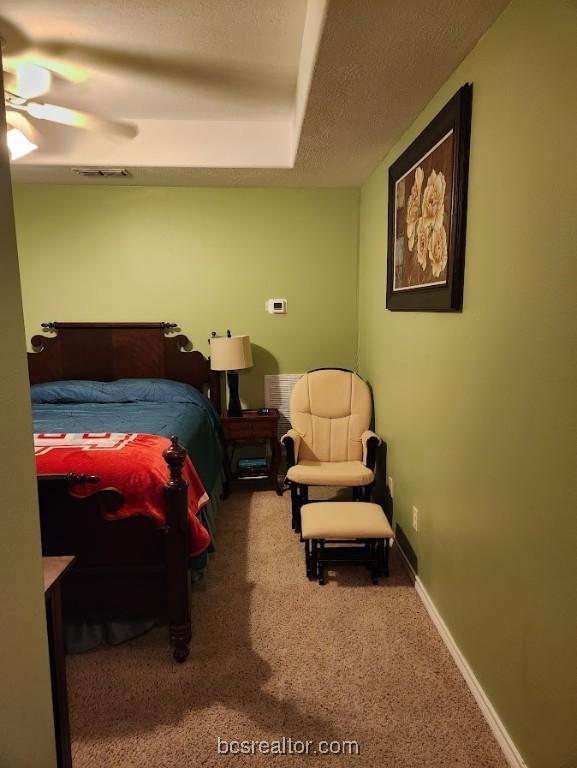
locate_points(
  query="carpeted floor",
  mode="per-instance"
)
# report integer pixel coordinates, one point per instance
(275, 655)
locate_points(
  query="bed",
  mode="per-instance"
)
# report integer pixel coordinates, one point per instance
(129, 461)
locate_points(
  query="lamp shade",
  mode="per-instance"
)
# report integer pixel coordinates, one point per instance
(18, 144)
(230, 353)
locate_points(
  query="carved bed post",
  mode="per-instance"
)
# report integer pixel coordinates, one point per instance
(177, 552)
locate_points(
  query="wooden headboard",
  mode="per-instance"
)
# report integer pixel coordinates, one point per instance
(109, 351)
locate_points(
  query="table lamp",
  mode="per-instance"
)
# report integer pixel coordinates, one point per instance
(231, 354)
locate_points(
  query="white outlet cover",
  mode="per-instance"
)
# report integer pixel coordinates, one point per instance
(415, 518)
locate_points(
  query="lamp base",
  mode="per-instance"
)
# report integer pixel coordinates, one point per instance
(234, 407)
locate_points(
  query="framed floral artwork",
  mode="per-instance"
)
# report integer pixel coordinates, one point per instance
(427, 214)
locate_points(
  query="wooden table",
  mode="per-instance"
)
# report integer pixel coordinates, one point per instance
(255, 426)
(54, 568)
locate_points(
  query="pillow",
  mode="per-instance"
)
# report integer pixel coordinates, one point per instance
(120, 391)
(57, 392)
(156, 391)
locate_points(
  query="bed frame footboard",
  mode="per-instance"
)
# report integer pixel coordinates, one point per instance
(177, 549)
(124, 569)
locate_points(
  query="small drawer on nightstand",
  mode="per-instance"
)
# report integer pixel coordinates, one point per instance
(245, 428)
(251, 425)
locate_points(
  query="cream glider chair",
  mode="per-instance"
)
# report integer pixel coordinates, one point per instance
(330, 442)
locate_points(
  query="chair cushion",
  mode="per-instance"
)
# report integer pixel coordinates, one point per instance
(344, 520)
(343, 473)
(330, 409)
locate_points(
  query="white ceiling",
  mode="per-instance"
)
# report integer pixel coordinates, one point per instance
(220, 89)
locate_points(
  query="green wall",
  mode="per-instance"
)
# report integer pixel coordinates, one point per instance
(205, 258)
(478, 408)
(25, 699)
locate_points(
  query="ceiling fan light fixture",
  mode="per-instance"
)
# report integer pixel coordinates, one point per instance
(18, 144)
(31, 80)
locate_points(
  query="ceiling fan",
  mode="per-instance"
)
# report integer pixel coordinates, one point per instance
(24, 83)
(32, 64)
(241, 77)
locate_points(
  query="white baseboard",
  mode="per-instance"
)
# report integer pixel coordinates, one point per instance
(512, 754)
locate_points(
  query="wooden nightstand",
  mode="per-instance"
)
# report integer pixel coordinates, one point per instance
(254, 426)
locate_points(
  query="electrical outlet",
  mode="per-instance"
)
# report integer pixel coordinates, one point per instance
(391, 492)
(415, 518)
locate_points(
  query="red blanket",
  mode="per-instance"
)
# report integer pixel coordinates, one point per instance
(133, 464)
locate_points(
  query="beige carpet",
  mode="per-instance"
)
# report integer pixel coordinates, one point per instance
(275, 655)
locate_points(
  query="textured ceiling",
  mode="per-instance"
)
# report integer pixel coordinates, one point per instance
(379, 63)
(176, 60)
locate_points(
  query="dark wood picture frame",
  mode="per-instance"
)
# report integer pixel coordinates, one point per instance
(447, 297)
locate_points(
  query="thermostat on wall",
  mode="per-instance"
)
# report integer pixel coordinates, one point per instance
(276, 306)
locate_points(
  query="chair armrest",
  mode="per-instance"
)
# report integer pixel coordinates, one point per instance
(371, 442)
(292, 442)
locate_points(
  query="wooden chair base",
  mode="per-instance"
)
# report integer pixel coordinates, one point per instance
(372, 553)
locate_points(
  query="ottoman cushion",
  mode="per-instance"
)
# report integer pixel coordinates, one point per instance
(344, 520)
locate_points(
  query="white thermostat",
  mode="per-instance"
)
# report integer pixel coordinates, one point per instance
(276, 306)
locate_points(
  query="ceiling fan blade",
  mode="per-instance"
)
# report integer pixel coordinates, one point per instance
(77, 119)
(55, 114)
(246, 80)
(21, 123)
(17, 49)
(243, 78)
(13, 40)
(62, 69)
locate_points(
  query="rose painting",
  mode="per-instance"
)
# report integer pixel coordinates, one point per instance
(428, 212)
(423, 211)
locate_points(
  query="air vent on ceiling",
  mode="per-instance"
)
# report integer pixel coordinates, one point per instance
(102, 172)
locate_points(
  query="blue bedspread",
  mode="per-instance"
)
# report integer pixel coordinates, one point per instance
(150, 406)
(147, 406)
